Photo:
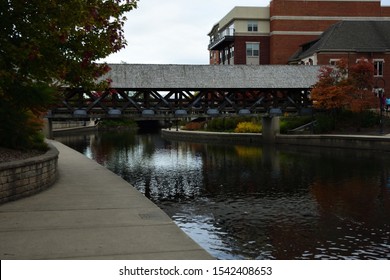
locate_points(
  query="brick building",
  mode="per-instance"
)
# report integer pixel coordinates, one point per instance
(317, 32)
(296, 22)
(241, 37)
(351, 40)
(271, 35)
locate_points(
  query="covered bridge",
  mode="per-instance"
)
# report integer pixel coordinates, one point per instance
(163, 91)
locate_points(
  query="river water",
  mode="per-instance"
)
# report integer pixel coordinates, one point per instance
(257, 202)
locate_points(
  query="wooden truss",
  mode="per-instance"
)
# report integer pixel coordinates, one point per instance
(178, 103)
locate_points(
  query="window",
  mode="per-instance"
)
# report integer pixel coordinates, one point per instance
(252, 49)
(378, 67)
(252, 26)
(360, 59)
(333, 61)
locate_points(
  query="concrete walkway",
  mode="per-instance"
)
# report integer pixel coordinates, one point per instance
(90, 213)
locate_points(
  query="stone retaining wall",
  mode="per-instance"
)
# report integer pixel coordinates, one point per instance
(363, 142)
(26, 177)
(213, 137)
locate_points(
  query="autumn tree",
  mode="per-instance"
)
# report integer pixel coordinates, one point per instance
(47, 44)
(361, 77)
(345, 88)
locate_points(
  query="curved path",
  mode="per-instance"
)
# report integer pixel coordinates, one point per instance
(90, 213)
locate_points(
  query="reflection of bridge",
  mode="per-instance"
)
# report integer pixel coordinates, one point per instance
(175, 91)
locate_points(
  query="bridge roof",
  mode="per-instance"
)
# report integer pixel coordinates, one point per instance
(165, 76)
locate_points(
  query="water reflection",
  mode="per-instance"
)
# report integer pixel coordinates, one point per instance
(244, 202)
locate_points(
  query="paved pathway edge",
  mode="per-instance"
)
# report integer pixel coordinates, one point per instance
(90, 213)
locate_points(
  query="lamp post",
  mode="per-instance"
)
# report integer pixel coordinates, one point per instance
(380, 93)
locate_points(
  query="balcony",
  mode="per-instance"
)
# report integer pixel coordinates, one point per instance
(222, 40)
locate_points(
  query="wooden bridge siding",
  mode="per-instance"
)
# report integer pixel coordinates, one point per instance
(197, 77)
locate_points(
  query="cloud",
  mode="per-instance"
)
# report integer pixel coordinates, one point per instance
(173, 31)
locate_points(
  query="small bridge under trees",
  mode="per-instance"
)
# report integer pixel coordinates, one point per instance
(156, 92)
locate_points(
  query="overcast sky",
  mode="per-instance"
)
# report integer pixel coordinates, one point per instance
(175, 31)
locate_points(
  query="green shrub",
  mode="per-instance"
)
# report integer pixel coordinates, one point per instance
(369, 119)
(21, 111)
(345, 120)
(215, 124)
(288, 123)
(230, 123)
(325, 123)
(19, 129)
(227, 124)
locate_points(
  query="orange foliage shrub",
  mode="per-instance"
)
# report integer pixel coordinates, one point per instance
(194, 126)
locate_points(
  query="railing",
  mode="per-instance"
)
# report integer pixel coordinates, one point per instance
(303, 128)
(228, 32)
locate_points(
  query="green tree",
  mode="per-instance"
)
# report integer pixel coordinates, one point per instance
(47, 44)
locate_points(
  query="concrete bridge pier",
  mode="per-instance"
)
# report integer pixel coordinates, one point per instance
(271, 127)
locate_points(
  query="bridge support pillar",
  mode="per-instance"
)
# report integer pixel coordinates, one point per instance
(47, 129)
(271, 127)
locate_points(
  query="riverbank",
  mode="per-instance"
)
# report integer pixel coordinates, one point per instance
(244, 201)
(367, 142)
(90, 213)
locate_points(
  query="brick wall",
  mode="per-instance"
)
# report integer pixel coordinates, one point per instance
(240, 48)
(298, 16)
(286, 46)
(324, 58)
(302, 25)
(214, 57)
(27, 177)
(385, 11)
(324, 8)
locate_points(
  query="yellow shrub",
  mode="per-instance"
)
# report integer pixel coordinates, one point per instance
(248, 127)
